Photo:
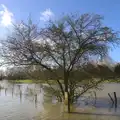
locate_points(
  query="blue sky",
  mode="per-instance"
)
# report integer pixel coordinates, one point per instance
(16, 10)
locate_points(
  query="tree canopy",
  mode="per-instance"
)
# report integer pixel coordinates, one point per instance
(67, 45)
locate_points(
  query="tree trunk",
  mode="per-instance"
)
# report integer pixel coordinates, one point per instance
(67, 99)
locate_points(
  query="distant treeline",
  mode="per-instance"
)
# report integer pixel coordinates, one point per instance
(86, 72)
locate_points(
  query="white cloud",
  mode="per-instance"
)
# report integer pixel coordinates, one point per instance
(46, 15)
(6, 17)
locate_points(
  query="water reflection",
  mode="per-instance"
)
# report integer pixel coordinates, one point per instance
(25, 101)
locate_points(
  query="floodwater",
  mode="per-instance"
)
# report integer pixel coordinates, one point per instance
(29, 102)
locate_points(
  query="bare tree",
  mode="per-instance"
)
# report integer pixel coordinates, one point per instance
(67, 44)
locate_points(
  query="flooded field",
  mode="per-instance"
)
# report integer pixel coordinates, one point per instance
(28, 102)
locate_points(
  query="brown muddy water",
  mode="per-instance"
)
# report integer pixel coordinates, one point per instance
(29, 102)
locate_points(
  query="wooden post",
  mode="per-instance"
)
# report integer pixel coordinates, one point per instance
(36, 100)
(40, 88)
(5, 91)
(95, 97)
(115, 99)
(20, 95)
(12, 92)
(19, 87)
(111, 98)
(111, 107)
(0, 90)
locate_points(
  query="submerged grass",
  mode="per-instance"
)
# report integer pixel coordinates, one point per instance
(26, 81)
(29, 81)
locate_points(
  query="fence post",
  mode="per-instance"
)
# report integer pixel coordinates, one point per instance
(115, 99)
(111, 98)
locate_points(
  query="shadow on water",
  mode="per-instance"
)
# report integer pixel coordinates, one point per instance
(96, 114)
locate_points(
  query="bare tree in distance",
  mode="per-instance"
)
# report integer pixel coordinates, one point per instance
(66, 44)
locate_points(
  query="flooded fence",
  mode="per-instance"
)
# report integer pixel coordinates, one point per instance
(33, 92)
(114, 100)
(110, 102)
